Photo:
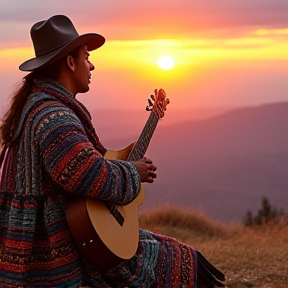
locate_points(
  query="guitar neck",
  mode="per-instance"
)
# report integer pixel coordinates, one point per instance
(142, 143)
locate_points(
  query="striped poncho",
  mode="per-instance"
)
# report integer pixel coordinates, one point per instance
(56, 152)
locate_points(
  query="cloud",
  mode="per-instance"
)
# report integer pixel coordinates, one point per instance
(256, 11)
(145, 19)
(272, 32)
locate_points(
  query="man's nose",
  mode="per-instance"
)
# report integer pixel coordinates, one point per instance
(91, 66)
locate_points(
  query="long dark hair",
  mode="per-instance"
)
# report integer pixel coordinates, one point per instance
(10, 120)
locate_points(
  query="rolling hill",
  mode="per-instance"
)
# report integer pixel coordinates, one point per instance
(224, 164)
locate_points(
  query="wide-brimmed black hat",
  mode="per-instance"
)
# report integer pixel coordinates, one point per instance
(55, 38)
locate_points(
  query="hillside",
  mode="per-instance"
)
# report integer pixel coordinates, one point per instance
(249, 257)
(225, 164)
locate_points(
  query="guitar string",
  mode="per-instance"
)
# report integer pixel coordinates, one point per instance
(141, 145)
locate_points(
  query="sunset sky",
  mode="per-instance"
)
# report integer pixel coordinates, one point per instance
(227, 53)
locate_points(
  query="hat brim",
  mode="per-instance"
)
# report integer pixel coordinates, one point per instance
(91, 40)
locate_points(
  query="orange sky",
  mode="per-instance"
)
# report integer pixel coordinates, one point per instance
(227, 53)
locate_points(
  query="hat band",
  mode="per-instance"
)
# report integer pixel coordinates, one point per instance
(51, 50)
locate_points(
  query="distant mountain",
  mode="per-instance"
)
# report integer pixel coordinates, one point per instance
(225, 164)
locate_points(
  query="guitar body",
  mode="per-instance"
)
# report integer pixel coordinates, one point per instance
(112, 243)
(107, 234)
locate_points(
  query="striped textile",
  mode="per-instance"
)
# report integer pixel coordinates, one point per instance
(160, 261)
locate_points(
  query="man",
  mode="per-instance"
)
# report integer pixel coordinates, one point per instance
(51, 153)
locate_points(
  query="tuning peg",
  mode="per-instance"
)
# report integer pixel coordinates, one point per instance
(148, 108)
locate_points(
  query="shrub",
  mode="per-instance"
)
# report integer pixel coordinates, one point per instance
(266, 214)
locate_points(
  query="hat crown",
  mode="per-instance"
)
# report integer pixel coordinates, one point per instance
(51, 34)
(55, 38)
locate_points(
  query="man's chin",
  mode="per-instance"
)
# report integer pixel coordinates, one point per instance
(85, 90)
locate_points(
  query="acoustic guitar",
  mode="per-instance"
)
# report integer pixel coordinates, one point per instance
(107, 234)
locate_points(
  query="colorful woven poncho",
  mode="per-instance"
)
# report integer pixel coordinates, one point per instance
(56, 152)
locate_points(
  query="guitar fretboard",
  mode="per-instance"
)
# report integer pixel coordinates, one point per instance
(142, 144)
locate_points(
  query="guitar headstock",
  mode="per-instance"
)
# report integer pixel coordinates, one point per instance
(158, 103)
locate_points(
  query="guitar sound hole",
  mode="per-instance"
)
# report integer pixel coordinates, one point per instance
(116, 214)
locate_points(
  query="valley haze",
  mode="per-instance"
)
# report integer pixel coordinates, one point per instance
(223, 164)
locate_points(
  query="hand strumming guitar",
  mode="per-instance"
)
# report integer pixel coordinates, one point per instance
(146, 170)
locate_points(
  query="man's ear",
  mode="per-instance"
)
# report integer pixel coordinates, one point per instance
(70, 62)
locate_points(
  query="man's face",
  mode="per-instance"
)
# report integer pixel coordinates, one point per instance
(82, 73)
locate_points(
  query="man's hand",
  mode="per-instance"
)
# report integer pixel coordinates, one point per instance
(146, 170)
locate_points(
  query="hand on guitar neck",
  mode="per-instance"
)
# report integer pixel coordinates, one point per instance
(146, 170)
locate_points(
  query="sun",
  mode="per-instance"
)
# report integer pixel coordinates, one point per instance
(166, 62)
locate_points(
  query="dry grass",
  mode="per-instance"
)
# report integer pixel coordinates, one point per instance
(250, 257)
